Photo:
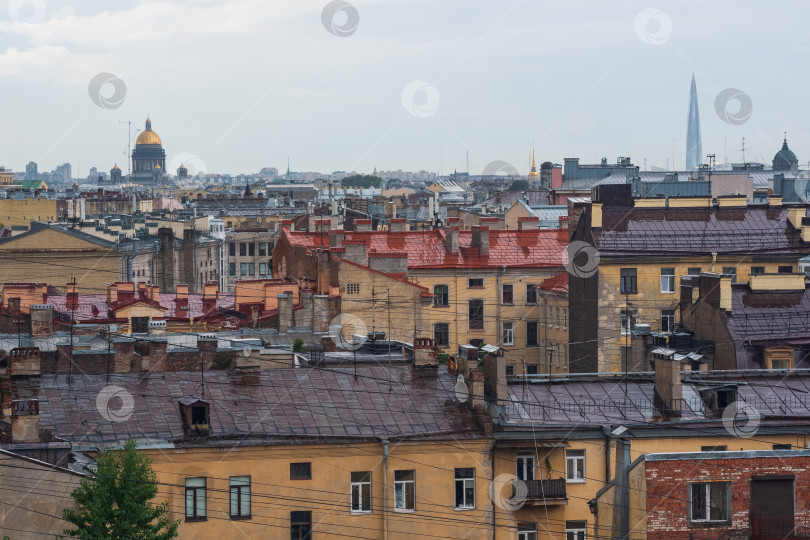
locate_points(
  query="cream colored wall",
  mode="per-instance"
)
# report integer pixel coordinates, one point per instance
(327, 494)
(22, 212)
(649, 301)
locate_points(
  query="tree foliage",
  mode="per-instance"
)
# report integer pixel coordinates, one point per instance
(519, 185)
(115, 500)
(361, 181)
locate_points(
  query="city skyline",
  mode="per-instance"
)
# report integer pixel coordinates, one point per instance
(412, 87)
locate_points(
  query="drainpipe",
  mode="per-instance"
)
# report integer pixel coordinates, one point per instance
(385, 489)
(714, 260)
(500, 298)
(545, 335)
(607, 454)
(131, 261)
(492, 482)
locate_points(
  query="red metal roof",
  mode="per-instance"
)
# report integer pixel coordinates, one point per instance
(426, 249)
(558, 282)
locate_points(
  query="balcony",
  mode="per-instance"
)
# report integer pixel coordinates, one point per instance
(545, 492)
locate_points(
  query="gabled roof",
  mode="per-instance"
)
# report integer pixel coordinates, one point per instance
(558, 283)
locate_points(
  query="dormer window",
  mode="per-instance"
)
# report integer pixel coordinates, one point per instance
(194, 415)
(717, 399)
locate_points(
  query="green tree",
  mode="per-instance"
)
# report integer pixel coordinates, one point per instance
(519, 185)
(361, 181)
(115, 500)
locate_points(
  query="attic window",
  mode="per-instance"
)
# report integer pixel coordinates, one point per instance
(199, 415)
(194, 414)
(726, 397)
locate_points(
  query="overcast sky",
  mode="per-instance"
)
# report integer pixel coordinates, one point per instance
(242, 84)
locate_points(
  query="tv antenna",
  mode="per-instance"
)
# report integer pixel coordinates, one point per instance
(129, 147)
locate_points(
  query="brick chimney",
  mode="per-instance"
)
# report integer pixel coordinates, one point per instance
(397, 224)
(362, 225)
(492, 223)
(356, 251)
(24, 361)
(668, 387)
(210, 293)
(41, 320)
(285, 312)
(467, 358)
(323, 225)
(181, 297)
(425, 353)
(389, 262)
(208, 350)
(528, 223)
(480, 239)
(451, 240)
(336, 237)
(25, 421)
(72, 296)
(153, 293)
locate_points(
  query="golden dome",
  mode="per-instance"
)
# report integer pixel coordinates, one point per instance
(148, 136)
(115, 167)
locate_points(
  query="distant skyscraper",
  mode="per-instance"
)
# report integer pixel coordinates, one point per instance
(694, 149)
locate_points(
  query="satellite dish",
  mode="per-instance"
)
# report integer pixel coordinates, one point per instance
(461, 389)
(246, 351)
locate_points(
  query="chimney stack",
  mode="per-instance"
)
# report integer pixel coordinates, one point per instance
(181, 297)
(528, 223)
(362, 225)
(668, 388)
(41, 320)
(480, 239)
(425, 353)
(451, 240)
(336, 237)
(397, 224)
(285, 312)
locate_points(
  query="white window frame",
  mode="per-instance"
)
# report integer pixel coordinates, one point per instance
(364, 506)
(576, 533)
(524, 465)
(507, 333)
(565, 318)
(707, 494)
(670, 317)
(633, 321)
(524, 533)
(667, 280)
(573, 474)
(400, 492)
(465, 484)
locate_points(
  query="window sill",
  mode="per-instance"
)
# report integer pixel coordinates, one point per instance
(360, 512)
(507, 344)
(708, 524)
(240, 518)
(441, 305)
(507, 303)
(193, 519)
(577, 481)
(404, 511)
(667, 292)
(532, 345)
(302, 478)
(628, 292)
(464, 508)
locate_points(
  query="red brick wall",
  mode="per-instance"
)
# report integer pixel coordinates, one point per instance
(667, 506)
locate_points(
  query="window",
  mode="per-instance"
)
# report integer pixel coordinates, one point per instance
(300, 525)
(441, 333)
(531, 294)
(353, 288)
(262, 269)
(252, 269)
(361, 491)
(507, 294)
(550, 317)
(532, 369)
(242, 249)
(262, 249)
(757, 270)
(575, 466)
(300, 471)
(575, 530)
(667, 320)
(140, 325)
(557, 317)
(508, 337)
(532, 333)
(510, 370)
(232, 249)
(404, 490)
(475, 283)
(232, 269)
(251, 249)
(525, 466)
(242, 269)
(731, 270)
(240, 497)
(785, 270)
(633, 320)
(527, 531)
(441, 295)
(628, 281)
(476, 314)
(465, 488)
(693, 271)
(565, 318)
(710, 502)
(667, 280)
(195, 499)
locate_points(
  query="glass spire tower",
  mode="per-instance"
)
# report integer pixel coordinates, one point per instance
(694, 149)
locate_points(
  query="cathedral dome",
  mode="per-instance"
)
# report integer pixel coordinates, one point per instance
(784, 159)
(148, 136)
